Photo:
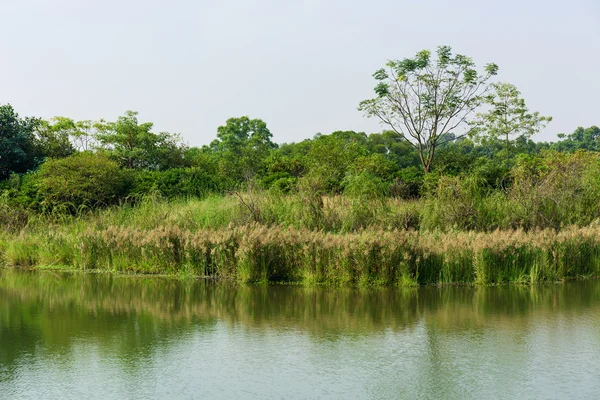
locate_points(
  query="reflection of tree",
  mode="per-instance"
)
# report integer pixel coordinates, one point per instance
(134, 317)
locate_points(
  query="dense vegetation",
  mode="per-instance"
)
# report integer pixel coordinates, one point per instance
(456, 156)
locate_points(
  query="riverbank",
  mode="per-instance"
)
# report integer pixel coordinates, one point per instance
(255, 253)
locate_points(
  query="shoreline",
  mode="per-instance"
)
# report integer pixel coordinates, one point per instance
(217, 280)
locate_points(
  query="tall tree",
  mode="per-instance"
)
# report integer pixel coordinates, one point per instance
(241, 147)
(423, 100)
(507, 116)
(18, 152)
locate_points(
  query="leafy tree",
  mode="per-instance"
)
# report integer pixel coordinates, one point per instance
(455, 157)
(423, 100)
(241, 147)
(394, 147)
(17, 142)
(376, 165)
(135, 146)
(508, 116)
(52, 139)
(331, 156)
(201, 158)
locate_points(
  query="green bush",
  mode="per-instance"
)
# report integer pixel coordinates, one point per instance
(176, 182)
(282, 182)
(464, 203)
(84, 180)
(365, 185)
(556, 189)
(408, 183)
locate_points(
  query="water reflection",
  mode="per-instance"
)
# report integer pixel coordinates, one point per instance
(452, 340)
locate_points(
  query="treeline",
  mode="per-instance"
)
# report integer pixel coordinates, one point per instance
(61, 163)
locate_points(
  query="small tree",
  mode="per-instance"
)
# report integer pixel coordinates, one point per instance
(423, 100)
(507, 116)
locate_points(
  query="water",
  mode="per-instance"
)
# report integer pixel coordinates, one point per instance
(71, 335)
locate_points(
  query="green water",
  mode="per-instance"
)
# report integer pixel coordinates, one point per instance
(72, 335)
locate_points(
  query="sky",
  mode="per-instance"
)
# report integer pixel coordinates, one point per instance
(301, 66)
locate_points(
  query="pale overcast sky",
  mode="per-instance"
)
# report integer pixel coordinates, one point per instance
(301, 66)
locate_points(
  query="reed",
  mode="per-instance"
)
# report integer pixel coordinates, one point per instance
(256, 252)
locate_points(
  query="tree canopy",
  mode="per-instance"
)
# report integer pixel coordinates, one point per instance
(424, 100)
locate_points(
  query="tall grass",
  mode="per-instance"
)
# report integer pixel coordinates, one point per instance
(258, 253)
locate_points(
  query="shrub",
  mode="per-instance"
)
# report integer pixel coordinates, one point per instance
(176, 182)
(282, 182)
(462, 202)
(556, 189)
(84, 180)
(365, 185)
(408, 183)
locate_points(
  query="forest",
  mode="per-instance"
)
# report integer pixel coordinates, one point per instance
(456, 162)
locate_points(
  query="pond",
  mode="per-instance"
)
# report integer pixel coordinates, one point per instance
(74, 335)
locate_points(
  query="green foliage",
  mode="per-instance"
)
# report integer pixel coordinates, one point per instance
(425, 100)
(241, 147)
(12, 219)
(283, 182)
(52, 139)
(556, 189)
(331, 156)
(135, 146)
(408, 183)
(507, 116)
(78, 182)
(461, 203)
(175, 182)
(18, 152)
(365, 185)
(580, 139)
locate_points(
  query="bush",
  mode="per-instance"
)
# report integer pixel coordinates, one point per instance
(365, 185)
(11, 219)
(282, 182)
(463, 203)
(408, 183)
(84, 180)
(556, 189)
(176, 182)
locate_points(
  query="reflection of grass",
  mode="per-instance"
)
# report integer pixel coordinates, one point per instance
(58, 267)
(259, 253)
(132, 315)
(175, 301)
